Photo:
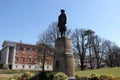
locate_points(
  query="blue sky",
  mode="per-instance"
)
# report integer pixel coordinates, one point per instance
(26, 19)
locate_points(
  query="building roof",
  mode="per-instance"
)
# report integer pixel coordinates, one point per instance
(6, 42)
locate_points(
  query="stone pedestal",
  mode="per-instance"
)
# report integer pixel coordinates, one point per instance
(63, 57)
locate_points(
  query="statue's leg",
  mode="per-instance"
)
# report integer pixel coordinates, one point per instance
(61, 34)
(64, 33)
(57, 35)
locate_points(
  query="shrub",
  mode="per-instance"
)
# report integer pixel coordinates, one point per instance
(60, 76)
(84, 78)
(3, 66)
(94, 77)
(77, 77)
(47, 75)
(27, 75)
(97, 77)
(12, 79)
(107, 76)
(101, 77)
(50, 75)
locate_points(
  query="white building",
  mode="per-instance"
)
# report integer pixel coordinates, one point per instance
(18, 55)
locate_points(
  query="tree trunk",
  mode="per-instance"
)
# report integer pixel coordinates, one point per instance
(111, 64)
(82, 62)
(43, 67)
(90, 58)
(82, 65)
(98, 64)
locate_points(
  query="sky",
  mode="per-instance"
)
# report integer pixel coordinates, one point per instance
(26, 19)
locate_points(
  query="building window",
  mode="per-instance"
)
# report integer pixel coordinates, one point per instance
(41, 66)
(23, 66)
(16, 66)
(57, 64)
(47, 61)
(29, 66)
(47, 67)
(23, 59)
(36, 51)
(36, 67)
(30, 60)
(35, 59)
(16, 59)
(17, 49)
(24, 50)
(30, 50)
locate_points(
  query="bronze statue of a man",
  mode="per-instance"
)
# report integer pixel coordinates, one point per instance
(62, 19)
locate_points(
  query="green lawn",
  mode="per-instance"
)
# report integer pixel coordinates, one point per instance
(4, 76)
(113, 71)
(4, 79)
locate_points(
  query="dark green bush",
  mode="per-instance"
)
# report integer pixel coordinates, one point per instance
(84, 78)
(46, 75)
(3, 66)
(94, 77)
(50, 75)
(77, 77)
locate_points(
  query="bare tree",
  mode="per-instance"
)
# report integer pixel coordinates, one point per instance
(112, 54)
(0, 54)
(99, 47)
(80, 44)
(90, 37)
(52, 33)
(116, 55)
(44, 50)
(109, 53)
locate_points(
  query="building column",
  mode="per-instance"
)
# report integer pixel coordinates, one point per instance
(7, 55)
(14, 52)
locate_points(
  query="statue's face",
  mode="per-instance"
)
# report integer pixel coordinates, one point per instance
(62, 12)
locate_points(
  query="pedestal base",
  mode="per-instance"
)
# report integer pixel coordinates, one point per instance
(71, 78)
(63, 57)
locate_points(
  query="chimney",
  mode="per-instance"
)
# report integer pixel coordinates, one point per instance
(20, 41)
(36, 42)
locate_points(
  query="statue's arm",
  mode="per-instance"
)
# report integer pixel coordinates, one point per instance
(65, 19)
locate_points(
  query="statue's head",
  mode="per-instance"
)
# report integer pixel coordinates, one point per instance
(62, 10)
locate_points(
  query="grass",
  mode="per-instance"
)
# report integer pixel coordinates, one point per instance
(113, 71)
(7, 74)
(4, 78)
